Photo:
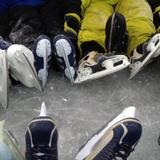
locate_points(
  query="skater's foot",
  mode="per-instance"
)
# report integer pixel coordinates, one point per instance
(65, 56)
(115, 141)
(21, 65)
(96, 65)
(41, 138)
(42, 54)
(144, 54)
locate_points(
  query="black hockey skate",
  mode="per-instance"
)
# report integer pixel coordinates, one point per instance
(41, 138)
(115, 141)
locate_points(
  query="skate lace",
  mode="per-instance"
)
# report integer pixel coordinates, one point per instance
(42, 153)
(122, 152)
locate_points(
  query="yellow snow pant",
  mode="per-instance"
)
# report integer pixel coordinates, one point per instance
(138, 15)
(139, 19)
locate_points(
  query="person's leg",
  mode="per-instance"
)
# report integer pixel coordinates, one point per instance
(27, 30)
(116, 140)
(143, 44)
(41, 138)
(95, 41)
(63, 42)
(155, 5)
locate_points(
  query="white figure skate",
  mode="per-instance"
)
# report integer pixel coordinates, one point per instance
(95, 66)
(21, 65)
(151, 51)
(3, 79)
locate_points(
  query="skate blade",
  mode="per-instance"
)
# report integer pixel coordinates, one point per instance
(33, 72)
(4, 80)
(135, 70)
(85, 152)
(111, 69)
(43, 51)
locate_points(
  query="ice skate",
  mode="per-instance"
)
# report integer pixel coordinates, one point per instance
(42, 54)
(65, 56)
(3, 79)
(21, 65)
(8, 146)
(96, 65)
(41, 138)
(151, 50)
(114, 141)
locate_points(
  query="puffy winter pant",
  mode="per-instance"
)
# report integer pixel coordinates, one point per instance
(139, 20)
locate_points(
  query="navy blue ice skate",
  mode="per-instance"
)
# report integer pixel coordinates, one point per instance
(65, 56)
(42, 54)
(114, 142)
(41, 139)
(4, 44)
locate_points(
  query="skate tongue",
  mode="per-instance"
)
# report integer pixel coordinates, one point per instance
(43, 112)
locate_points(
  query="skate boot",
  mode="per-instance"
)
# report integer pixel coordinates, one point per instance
(144, 54)
(42, 54)
(96, 65)
(8, 145)
(114, 141)
(21, 65)
(3, 79)
(41, 138)
(65, 56)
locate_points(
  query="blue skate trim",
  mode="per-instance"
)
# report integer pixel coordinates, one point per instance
(39, 62)
(122, 144)
(71, 57)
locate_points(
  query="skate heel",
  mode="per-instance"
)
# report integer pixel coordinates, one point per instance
(42, 53)
(65, 56)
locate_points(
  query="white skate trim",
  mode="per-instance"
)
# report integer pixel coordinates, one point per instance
(43, 50)
(110, 69)
(20, 54)
(64, 49)
(87, 149)
(154, 48)
(3, 79)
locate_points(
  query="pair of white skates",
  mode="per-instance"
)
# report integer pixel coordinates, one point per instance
(116, 140)
(94, 65)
